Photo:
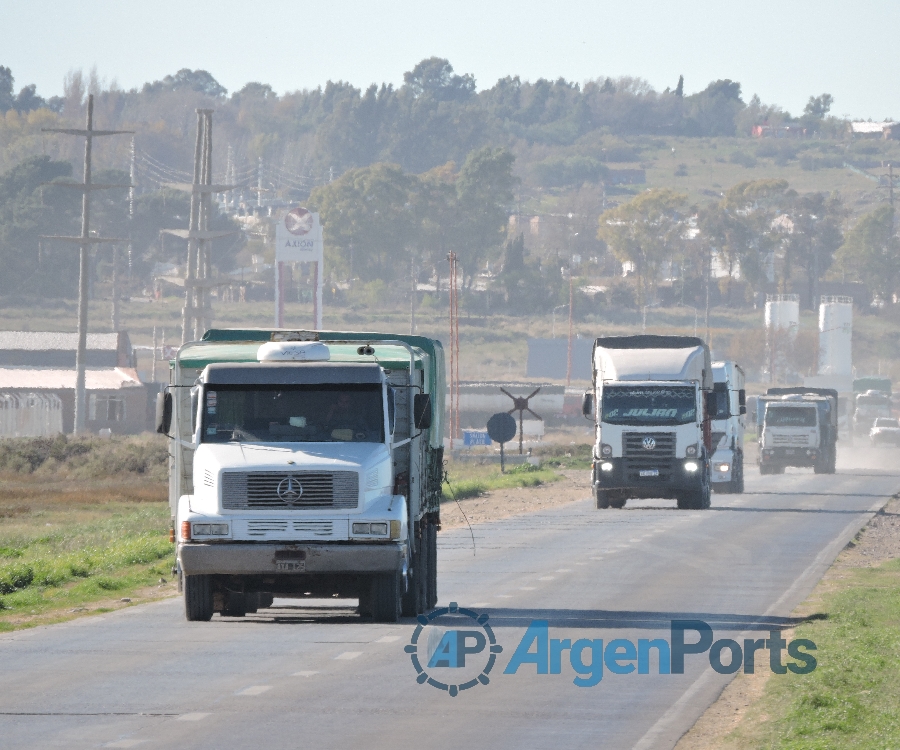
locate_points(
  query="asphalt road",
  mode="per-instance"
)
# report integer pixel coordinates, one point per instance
(316, 676)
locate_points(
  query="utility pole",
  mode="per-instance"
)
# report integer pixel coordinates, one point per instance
(84, 241)
(454, 348)
(196, 314)
(571, 329)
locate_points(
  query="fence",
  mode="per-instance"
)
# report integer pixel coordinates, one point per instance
(30, 414)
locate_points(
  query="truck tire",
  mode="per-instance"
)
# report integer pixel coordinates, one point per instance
(236, 605)
(198, 598)
(265, 600)
(432, 596)
(386, 595)
(602, 498)
(617, 500)
(417, 585)
(738, 481)
(695, 500)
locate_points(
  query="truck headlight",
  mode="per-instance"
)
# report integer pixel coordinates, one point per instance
(209, 529)
(691, 466)
(723, 467)
(605, 450)
(606, 466)
(360, 528)
(379, 528)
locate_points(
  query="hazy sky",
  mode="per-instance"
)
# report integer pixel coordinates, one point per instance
(784, 51)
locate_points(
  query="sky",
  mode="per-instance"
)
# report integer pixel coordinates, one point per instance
(783, 51)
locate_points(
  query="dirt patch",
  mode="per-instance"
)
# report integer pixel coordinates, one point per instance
(877, 543)
(494, 504)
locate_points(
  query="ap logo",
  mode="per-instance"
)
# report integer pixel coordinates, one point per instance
(456, 658)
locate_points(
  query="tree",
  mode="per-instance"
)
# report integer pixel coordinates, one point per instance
(191, 80)
(818, 106)
(870, 252)
(434, 78)
(713, 111)
(814, 237)
(484, 192)
(679, 89)
(7, 101)
(645, 232)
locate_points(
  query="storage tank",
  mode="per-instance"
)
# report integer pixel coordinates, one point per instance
(783, 312)
(835, 333)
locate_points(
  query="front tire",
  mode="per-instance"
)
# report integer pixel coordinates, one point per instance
(431, 597)
(601, 497)
(386, 596)
(416, 588)
(198, 598)
(617, 501)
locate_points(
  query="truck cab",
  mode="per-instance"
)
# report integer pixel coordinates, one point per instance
(790, 435)
(727, 440)
(305, 468)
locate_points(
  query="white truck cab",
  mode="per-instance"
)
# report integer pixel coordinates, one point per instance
(727, 465)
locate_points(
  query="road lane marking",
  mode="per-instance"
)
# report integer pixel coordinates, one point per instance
(192, 717)
(388, 639)
(125, 743)
(564, 570)
(547, 578)
(304, 673)
(347, 655)
(481, 605)
(504, 596)
(254, 690)
(527, 588)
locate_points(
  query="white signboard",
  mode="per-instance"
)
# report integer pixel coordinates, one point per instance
(298, 237)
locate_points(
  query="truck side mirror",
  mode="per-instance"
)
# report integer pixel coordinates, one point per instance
(587, 404)
(711, 404)
(742, 399)
(422, 410)
(163, 412)
(742, 409)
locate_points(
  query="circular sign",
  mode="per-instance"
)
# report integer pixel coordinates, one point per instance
(501, 427)
(298, 221)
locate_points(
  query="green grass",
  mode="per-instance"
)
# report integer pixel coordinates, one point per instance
(472, 480)
(851, 700)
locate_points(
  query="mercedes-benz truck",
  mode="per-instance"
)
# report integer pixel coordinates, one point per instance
(727, 465)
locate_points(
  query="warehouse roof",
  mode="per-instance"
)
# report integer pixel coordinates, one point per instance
(40, 379)
(55, 341)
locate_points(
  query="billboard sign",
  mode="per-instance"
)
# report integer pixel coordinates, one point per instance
(298, 237)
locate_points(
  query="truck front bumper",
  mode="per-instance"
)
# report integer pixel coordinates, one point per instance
(235, 558)
(789, 456)
(666, 477)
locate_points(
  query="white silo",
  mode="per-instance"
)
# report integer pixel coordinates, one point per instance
(782, 324)
(835, 334)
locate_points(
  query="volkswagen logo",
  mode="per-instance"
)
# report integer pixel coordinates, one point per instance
(648, 443)
(289, 490)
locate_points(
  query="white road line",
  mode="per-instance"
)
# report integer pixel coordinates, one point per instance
(191, 717)
(547, 578)
(305, 673)
(504, 596)
(347, 655)
(564, 570)
(388, 639)
(254, 690)
(527, 588)
(125, 743)
(481, 605)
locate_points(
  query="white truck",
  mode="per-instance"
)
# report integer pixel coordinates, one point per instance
(797, 426)
(727, 472)
(651, 403)
(305, 464)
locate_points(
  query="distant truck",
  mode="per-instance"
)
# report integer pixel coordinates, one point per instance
(727, 465)
(869, 406)
(305, 464)
(797, 427)
(651, 402)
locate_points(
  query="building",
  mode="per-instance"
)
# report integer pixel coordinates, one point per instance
(37, 384)
(887, 129)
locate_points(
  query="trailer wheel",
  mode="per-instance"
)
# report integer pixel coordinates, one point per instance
(198, 598)
(602, 498)
(386, 595)
(431, 535)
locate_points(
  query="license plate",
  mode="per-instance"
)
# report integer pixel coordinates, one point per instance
(649, 472)
(290, 566)
(789, 452)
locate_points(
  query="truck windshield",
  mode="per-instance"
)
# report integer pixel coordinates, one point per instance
(293, 414)
(649, 405)
(791, 416)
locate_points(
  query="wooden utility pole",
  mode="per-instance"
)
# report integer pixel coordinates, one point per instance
(454, 349)
(84, 241)
(196, 314)
(571, 331)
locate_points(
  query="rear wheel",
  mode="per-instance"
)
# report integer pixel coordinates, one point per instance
(602, 498)
(198, 598)
(416, 584)
(236, 605)
(386, 596)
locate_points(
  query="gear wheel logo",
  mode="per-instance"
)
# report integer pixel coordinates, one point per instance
(453, 658)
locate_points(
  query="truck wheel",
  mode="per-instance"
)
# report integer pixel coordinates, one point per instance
(738, 481)
(386, 597)
(416, 585)
(602, 498)
(431, 535)
(198, 598)
(264, 600)
(617, 501)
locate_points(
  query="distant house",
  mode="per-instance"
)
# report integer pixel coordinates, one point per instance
(887, 129)
(37, 384)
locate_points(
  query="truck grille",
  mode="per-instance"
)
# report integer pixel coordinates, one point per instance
(274, 529)
(790, 440)
(663, 445)
(284, 490)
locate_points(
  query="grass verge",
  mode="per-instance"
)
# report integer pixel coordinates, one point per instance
(472, 480)
(851, 699)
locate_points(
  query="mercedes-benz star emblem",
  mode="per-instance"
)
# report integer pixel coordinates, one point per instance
(649, 443)
(289, 490)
